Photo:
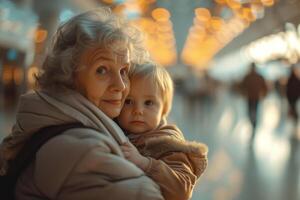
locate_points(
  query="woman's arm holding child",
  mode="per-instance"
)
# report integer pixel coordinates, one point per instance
(132, 154)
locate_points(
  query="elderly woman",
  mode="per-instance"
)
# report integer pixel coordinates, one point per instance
(84, 79)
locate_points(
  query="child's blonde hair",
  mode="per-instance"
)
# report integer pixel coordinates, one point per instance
(160, 77)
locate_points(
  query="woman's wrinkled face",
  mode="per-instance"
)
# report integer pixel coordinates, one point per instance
(103, 79)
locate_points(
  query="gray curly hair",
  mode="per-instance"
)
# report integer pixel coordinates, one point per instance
(94, 28)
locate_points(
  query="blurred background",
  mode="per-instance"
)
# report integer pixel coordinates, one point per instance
(235, 64)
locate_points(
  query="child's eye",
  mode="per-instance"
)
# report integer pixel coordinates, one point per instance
(128, 102)
(149, 103)
(101, 70)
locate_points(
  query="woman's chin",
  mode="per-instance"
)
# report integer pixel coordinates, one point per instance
(112, 112)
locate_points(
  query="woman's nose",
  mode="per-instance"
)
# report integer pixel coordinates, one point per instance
(118, 84)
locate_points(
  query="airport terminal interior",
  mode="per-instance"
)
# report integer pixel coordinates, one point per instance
(209, 48)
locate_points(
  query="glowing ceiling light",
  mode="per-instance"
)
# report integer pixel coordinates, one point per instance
(40, 35)
(108, 1)
(202, 14)
(18, 75)
(7, 75)
(233, 4)
(248, 14)
(216, 23)
(161, 14)
(220, 1)
(267, 2)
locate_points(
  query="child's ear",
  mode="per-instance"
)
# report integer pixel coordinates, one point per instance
(164, 115)
(164, 111)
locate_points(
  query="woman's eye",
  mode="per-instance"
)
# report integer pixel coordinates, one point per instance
(101, 70)
(149, 103)
(128, 101)
(124, 71)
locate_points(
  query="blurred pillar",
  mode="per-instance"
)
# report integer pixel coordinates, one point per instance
(48, 12)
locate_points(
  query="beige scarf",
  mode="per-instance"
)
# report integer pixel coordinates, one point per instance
(40, 109)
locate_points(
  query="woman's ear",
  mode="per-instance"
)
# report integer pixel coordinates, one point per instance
(77, 83)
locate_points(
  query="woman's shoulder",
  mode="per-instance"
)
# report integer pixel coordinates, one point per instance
(68, 147)
(57, 158)
(72, 142)
(78, 140)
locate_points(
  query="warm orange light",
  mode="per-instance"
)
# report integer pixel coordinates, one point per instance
(108, 1)
(119, 9)
(197, 30)
(18, 75)
(166, 36)
(40, 35)
(248, 15)
(151, 44)
(164, 56)
(161, 14)
(133, 7)
(7, 74)
(167, 26)
(160, 41)
(147, 25)
(202, 23)
(216, 23)
(202, 14)
(150, 1)
(267, 2)
(234, 4)
(165, 23)
(199, 55)
(165, 29)
(239, 13)
(223, 37)
(220, 1)
(196, 36)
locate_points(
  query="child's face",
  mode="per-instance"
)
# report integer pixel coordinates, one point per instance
(142, 110)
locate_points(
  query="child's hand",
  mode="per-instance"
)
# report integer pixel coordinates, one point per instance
(132, 154)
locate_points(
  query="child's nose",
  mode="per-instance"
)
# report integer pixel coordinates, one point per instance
(138, 110)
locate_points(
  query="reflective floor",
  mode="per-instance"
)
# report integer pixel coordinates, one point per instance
(267, 169)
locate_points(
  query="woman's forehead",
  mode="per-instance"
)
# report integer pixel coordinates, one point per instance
(116, 54)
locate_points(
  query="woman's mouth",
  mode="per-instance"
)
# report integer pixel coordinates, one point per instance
(114, 102)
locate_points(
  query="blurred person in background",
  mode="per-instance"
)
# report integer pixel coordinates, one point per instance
(84, 79)
(157, 147)
(255, 89)
(293, 92)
